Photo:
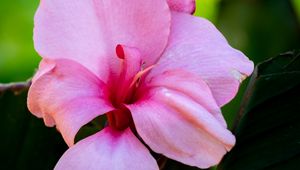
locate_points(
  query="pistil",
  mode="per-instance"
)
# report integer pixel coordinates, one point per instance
(125, 86)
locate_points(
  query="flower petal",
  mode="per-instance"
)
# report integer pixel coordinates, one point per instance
(192, 86)
(68, 95)
(176, 126)
(187, 6)
(108, 149)
(198, 47)
(88, 31)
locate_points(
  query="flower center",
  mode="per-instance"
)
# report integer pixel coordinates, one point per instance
(124, 87)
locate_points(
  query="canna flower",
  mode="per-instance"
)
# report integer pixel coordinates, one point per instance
(159, 74)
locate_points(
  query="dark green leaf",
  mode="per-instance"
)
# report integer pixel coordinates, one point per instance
(268, 133)
(259, 28)
(91, 128)
(174, 165)
(25, 141)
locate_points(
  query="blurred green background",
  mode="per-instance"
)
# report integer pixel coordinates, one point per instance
(259, 28)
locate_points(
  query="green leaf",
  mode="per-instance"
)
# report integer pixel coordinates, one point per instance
(260, 29)
(207, 9)
(91, 128)
(26, 143)
(268, 128)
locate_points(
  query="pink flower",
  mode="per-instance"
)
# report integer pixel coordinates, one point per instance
(157, 72)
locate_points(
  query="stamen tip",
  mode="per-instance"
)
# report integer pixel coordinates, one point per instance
(120, 51)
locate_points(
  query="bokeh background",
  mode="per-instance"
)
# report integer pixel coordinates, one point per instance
(259, 28)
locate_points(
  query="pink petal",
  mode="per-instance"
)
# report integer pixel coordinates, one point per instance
(44, 67)
(108, 150)
(187, 6)
(174, 125)
(88, 31)
(67, 95)
(198, 47)
(192, 86)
